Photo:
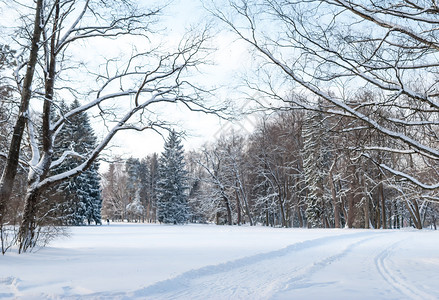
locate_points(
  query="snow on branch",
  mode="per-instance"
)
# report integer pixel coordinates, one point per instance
(403, 175)
(64, 156)
(395, 150)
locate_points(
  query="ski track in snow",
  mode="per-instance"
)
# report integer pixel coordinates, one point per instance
(297, 282)
(250, 277)
(396, 279)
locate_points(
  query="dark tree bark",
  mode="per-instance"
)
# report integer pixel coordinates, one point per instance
(383, 204)
(238, 209)
(352, 197)
(335, 205)
(228, 209)
(413, 209)
(26, 233)
(10, 171)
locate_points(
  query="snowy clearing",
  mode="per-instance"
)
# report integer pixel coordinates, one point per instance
(137, 261)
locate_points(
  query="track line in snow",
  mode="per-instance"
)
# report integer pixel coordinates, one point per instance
(299, 281)
(400, 284)
(181, 286)
(178, 286)
(269, 283)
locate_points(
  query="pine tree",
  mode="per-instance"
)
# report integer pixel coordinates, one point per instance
(78, 200)
(135, 171)
(172, 205)
(87, 184)
(143, 175)
(60, 198)
(152, 178)
(132, 166)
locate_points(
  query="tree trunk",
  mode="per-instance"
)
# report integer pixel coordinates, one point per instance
(326, 222)
(26, 234)
(238, 208)
(334, 201)
(343, 204)
(413, 208)
(229, 211)
(267, 220)
(10, 171)
(247, 207)
(383, 205)
(366, 211)
(299, 215)
(350, 220)
(378, 217)
(282, 212)
(351, 198)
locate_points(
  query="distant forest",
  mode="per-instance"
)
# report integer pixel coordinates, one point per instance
(298, 169)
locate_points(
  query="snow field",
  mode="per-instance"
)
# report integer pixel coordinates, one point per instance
(138, 261)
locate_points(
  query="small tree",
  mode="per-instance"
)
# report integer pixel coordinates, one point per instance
(172, 202)
(135, 208)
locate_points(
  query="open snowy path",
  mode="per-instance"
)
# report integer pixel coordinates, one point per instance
(219, 262)
(365, 265)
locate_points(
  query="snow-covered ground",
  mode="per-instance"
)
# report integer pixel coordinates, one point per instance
(137, 261)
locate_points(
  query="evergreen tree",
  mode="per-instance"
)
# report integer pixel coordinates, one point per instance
(152, 178)
(172, 204)
(143, 175)
(77, 200)
(132, 166)
(87, 184)
(58, 199)
(135, 171)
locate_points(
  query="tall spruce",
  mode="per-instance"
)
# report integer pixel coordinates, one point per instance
(172, 204)
(143, 174)
(152, 186)
(61, 198)
(135, 207)
(77, 200)
(87, 184)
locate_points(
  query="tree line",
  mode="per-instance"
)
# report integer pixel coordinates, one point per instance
(153, 189)
(297, 169)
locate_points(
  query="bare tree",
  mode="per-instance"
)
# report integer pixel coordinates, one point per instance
(212, 162)
(276, 168)
(114, 190)
(10, 170)
(236, 165)
(124, 97)
(332, 49)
